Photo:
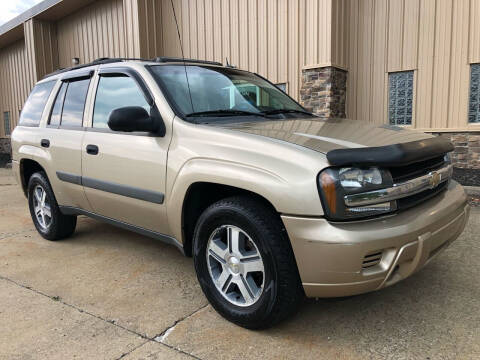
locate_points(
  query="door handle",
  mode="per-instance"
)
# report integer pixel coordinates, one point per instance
(92, 149)
(45, 143)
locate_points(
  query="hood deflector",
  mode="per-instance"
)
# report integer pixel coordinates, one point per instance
(391, 155)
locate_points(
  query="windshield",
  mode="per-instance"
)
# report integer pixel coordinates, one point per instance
(217, 92)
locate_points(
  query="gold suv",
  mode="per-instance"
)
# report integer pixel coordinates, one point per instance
(272, 202)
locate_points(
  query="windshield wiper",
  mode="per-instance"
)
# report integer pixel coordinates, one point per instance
(224, 112)
(285, 111)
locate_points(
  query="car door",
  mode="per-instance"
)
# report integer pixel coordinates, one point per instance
(123, 174)
(62, 138)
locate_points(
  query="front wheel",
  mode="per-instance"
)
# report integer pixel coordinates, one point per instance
(245, 264)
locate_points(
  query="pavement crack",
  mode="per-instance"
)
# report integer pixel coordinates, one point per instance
(58, 299)
(163, 335)
(61, 301)
(160, 338)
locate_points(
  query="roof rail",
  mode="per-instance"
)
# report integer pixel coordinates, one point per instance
(164, 59)
(99, 61)
(106, 60)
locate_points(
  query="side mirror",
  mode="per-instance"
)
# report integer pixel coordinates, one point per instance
(135, 118)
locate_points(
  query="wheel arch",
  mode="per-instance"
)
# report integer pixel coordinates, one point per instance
(28, 167)
(199, 196)
(213, 179)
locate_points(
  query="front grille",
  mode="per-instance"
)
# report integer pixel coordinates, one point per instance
(405, 173)
(371, 260)
(413, 200)
(408, 172)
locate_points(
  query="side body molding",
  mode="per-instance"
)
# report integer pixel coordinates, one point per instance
(114, 188)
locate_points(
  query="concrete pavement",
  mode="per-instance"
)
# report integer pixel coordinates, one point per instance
(107, 293)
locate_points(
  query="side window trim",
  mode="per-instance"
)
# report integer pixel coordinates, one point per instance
(69, 79)
(120, 71)
(53, 105)
(115, 71)
(78, 75)
(66, 79)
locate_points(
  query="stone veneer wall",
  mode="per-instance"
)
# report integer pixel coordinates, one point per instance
(467, 149)
(465, 157)
(5, 152)
(5, 147)
(323, 91)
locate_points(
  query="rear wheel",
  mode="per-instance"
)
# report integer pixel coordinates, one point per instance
(46, 215)
(245, 264)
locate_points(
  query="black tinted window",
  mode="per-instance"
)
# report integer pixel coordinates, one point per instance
(74, 103)
(33, 108)
(57, 107)
(113, 93)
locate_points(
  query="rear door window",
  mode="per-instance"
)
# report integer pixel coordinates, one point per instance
(58, 105)
(33, 108)
(74, 103)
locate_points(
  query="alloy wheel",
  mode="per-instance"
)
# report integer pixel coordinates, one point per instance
(42, 207)
(235, 265)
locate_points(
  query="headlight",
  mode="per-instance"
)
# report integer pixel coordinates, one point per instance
(335, 183)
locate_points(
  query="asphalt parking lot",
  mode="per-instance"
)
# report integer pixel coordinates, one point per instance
(107, 293)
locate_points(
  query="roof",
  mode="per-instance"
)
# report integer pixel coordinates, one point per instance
(47, 10)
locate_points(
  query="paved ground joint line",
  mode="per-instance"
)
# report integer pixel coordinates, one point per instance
(59, 300)
(132, 350)
(160, 338)
(111, 322)
(4, 236)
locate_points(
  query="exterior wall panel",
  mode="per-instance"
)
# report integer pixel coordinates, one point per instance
(474, 31)
(93, 32)
(276, 38)
(15, 83)
(437, 39)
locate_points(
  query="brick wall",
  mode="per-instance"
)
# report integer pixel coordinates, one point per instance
(323, 91)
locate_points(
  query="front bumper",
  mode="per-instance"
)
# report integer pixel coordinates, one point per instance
(330, 256)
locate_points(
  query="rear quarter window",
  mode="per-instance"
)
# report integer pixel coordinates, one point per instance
(33, 108)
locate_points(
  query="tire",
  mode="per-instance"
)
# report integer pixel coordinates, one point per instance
(51, 223)
(270, 296)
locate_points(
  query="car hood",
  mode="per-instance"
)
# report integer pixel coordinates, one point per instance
(326, 135)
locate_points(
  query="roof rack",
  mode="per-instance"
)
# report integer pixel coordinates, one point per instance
(165, 59)
(106, 60)
(99, 61)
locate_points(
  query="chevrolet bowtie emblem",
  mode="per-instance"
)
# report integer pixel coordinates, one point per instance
(434, 179)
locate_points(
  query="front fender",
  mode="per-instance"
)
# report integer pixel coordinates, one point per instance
(277, 190)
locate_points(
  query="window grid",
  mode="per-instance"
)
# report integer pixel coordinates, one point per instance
(6, 122)
(474, 101)
(400, 97)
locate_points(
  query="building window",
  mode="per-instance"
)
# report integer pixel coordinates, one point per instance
(282, 86)
(400, 97)
(474, 103)
(6, 122)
